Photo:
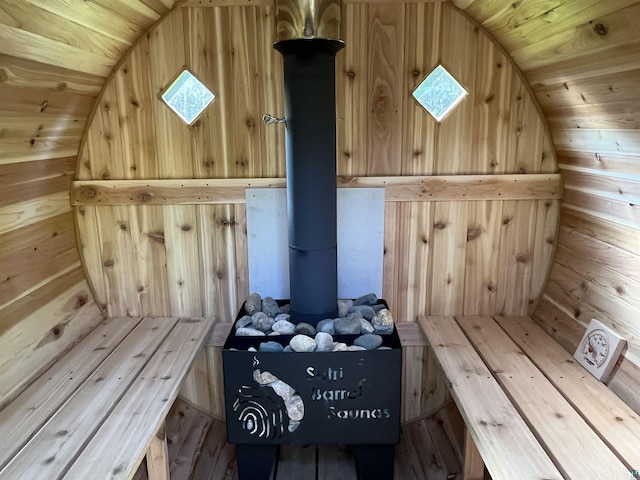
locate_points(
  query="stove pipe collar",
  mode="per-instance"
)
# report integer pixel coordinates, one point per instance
(308, 19)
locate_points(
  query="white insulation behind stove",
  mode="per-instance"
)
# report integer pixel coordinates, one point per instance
(360, 241)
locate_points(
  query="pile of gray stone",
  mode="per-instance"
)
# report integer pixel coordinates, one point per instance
(365, 318)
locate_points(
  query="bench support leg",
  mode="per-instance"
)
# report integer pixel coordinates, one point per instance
(255, 462)
(374, 462)
(158, 456)
(473, 463)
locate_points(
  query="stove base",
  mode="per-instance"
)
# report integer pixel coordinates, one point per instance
(373, 462)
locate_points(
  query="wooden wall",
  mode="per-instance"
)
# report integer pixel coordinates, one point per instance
(54, 59)
(582, 60)
(471, 204)
(160, 206)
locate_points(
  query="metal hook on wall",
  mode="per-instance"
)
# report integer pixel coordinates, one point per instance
(270, 120)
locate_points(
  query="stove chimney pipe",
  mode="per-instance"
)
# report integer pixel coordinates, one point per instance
(308, 37)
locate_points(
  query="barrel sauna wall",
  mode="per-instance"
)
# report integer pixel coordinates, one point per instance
(54, 60)
(471, 204)
(582, 60)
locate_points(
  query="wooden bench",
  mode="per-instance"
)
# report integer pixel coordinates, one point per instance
(531, 412)
(101, 407)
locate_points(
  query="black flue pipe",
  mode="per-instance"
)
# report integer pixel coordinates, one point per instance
(310, 112)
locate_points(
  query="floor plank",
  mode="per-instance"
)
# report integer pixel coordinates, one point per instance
(186, 429)
(336, 462)
(297, 462)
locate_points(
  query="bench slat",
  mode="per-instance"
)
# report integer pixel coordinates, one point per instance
(615, 421)
(508, 448)
(575, 447)
(51, 449)
(33, 407)
(143, 408)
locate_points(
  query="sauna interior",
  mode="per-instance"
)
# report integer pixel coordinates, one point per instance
(522, 202)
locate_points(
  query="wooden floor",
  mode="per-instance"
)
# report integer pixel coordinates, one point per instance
(198, 450)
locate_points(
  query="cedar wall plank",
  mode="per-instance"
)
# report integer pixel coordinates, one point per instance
(135, 98)
(352, 75)
(17, 42)
(118, 19)
(598, 34)
(34, 254)
(45, 334)
(597, 90)
(422, 41)
(21, 214)
(56, 28)
(22, 181)
(384, 92)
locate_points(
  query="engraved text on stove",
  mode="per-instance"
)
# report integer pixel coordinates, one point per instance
(328, 386)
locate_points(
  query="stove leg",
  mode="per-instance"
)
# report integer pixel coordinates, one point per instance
(374, 462)
(255, 462)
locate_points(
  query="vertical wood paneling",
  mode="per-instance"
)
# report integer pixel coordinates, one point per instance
(168, 57)
(455, 135)
(135, 100)
(184, 266)
(422, 41)
(482, 257)
(516, 246)
(413, 232)
(244, 87)
(206, 55)
(352, 75)
(104, 148)
(493, 144)
(385, 93)
(270, 80)
(440, 257)
(447, 262)
(151, 257)
(217, 226)
(242, 256)
(381, 130)
(544, 246)
(118, 261)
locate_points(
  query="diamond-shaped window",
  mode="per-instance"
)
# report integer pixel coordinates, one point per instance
(439, 93)
(188, 97)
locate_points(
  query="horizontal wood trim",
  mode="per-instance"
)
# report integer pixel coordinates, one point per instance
(398, 189)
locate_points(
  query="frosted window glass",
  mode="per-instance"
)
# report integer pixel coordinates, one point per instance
(188, 97)
(439, 93)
